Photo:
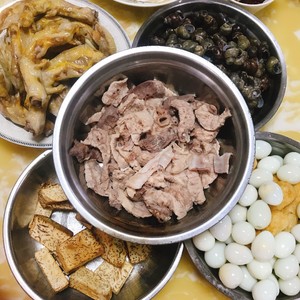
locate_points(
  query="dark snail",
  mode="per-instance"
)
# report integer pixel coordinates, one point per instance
(227, 44)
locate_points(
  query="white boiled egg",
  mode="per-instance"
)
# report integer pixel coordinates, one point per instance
(290, 287)
(231, 275)
(297, 252)
(260, 269)
(204, 241)
(248, 280)
(215, 257)
(263, 246)
(262, 149)
(285, 244)
(222, 230)
(264, 290)
(275, 280)
(260, 176)
(289, 173)
(238, 213)
(292, 158)
(238, 254)
(243, 233)
(286, 268)
(295, 231)
(270, 163)
(271, 193)
(249, 196)
(259, 214)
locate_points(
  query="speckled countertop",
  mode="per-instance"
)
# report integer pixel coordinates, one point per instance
(282, 18)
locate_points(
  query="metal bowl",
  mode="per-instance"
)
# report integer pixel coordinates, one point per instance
(274, 95)
(20, 247)
(281, 145)
(188, 74)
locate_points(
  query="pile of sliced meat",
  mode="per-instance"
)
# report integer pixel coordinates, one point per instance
(151, 151)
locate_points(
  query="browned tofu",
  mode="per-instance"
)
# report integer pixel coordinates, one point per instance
(114, 248)
(137, 252)
(116, 277)
(52, 196)
(48, 232)
(90, 284)
(51, 269)
(78, 250)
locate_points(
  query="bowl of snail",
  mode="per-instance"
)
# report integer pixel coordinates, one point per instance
(147, 146)
(230, 37)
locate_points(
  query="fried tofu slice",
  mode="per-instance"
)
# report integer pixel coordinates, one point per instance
(137, 252)
(116, 277)
(90, 284)
(78, 250)
(52, 196)
(48, 232)
(114, 248)
(39, 210)
(51, 269)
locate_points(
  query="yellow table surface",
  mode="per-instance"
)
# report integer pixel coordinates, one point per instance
(282, 18)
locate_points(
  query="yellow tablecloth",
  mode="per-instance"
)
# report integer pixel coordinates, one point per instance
(282, 17)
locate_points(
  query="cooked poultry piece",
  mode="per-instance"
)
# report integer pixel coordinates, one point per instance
(45, 45)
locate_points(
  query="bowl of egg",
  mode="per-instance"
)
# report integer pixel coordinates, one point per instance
(254, 251)
(231, 38)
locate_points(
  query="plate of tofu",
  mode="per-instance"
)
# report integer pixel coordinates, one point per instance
(55, 254)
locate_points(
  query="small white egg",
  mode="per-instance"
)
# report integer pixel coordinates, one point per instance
(298, 211)
(285, 244)
(222, 230)
(295, 231)
(279, 158)
(243, 233)
(264, 290)
(297, 252)
(238, 254)
(275, 280)
(248, 280)
(204, 241)
(269, 163)
(229, 240)
(271, 193)
(263, 246)
(249, 196)
(259, 214)
(262, 149)
(261, 176)
(215, 257)
(231, 275)
(290, 287)
(292, 158)
(289, 173)
(286, 268)
(238, 213)
(260, 269)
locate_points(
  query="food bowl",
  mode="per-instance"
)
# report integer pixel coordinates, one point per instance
(20, 247)
(187, 74)
(281, 145)
(253, 8)
(207, 43)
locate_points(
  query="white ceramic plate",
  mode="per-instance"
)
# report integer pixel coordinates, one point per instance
(145, 3)
(15, 134)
